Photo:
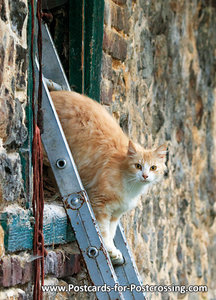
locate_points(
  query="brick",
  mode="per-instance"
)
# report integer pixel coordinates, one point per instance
(5, 272)
(106, 92)
(27, 272)
(60, 264)
(67, 264)
(115, 45)
(72, 264)
(16, 271)
(13, 270)
(120, 18)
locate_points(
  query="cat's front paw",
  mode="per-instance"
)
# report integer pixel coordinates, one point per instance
(116, 257)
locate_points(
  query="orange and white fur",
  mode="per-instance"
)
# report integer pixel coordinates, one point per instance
(113, 169)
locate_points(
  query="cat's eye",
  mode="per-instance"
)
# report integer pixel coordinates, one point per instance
(138, 166)
(153, 168)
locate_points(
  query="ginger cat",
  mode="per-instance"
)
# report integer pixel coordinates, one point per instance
(113, 169)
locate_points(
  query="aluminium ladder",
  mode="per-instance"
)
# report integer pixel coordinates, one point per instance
(75, 198)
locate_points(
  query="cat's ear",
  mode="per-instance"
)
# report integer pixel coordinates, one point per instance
(131, 149)
(161, 151)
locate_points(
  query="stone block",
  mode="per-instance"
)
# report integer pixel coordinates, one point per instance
(5, 272)
(3, 119)
(157, 120)
(15, 294)
(106, 12)
(21, 67)
(10, 176)
(2, 58)
(2, 250)
(120, 2)
(12, 128)
(16, 270)
(3, 11)
(120, 18)
(197, 261)
(115, 45)
(106, 66)
(20, 270)
(27, 272)
(18, 13)
(106, 91)
(10, 51)
(67, 264)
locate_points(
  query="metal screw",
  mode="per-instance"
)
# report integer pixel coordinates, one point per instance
(61, 163)
(92, 252)
(74, 201)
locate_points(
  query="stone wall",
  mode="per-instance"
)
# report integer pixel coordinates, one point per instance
(158, 81)
(13, 131)
(13, 99)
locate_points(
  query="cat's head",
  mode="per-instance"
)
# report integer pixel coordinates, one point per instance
(145, 166)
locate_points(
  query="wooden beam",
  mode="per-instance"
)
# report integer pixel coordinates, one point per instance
(94, 21)
(75, 45)
(93, 41)
(18, 223)
(25, 150)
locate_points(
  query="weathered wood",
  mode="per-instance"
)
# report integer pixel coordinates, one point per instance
(93, 39)
(18, 223)
(75, 45)
(26, 150)
(94, 21)
(48, 4)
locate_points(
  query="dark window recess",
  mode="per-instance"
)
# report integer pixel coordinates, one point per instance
(70, 22)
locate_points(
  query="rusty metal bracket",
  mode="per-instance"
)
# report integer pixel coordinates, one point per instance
(75, 200)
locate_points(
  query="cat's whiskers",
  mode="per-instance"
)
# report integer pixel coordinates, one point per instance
(131, 179)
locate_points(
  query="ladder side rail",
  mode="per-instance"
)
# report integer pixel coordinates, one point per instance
(128, 272)
(50, 58)
(92, 264)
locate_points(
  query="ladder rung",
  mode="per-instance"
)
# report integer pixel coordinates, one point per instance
(52, 86)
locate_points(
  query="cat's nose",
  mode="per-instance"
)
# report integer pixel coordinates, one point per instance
(145, 176)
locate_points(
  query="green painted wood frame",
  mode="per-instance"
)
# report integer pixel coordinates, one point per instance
(26, 150)
(92, 16)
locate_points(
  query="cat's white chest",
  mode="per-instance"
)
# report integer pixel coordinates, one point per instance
(131, 195)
